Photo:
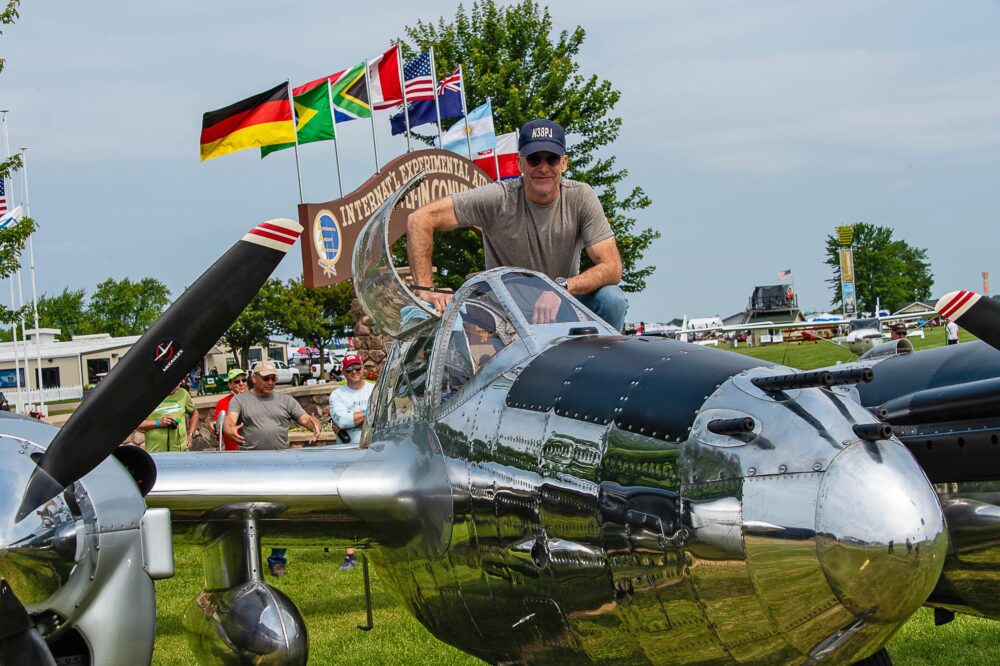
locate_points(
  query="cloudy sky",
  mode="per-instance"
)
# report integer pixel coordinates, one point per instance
(756, 128)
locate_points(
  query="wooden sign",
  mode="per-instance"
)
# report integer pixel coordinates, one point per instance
(332, 228)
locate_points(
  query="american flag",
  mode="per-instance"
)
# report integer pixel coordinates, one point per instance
(785, 275)
(417, 73)
(3, 196)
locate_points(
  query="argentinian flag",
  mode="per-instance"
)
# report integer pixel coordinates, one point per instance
(10, 218)
(478, 126)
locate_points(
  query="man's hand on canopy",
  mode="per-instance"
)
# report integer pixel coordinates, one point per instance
(439, 300)
(546, 308)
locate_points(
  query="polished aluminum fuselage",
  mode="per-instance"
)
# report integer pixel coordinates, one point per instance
(525, 536)
(577, 541)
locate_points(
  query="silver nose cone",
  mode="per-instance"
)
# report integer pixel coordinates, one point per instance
(880, 531)
(37, 554)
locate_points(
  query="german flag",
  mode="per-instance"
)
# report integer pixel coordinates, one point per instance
(261, 120)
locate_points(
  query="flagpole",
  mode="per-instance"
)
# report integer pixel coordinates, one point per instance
(437, 105)
(465, 110)
(371, 113)
(295, 132)
(496, 159)
(34, 291)
(24, 341)
(406, 105)
(336, 142)
(18, 400)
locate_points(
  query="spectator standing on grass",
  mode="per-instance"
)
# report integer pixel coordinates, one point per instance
(237, 380)
(258, 420)
(951, 332)
(170, 425)
(898, 331)
(348, 409)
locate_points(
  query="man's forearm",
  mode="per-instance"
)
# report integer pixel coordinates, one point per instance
(593, 279)
(419, 249)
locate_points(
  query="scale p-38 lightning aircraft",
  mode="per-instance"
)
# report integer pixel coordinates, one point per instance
(533, 493)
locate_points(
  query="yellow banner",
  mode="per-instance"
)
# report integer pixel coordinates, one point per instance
(846, 264)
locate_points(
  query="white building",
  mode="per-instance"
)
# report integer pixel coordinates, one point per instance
(69, 366)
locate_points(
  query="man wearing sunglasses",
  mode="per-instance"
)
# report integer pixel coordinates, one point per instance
(237, 380)
(258, 419)
(349, 403)
(540, 221)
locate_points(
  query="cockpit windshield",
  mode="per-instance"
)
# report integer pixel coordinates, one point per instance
(480, 328)
(539, 302)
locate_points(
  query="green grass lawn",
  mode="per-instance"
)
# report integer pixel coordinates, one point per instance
(333, 604)
(333, 601)
(820, 354)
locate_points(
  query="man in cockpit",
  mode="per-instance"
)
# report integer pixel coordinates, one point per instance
(540, 221)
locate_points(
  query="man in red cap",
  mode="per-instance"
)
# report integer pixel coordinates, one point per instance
(348, 408)
(349, 403)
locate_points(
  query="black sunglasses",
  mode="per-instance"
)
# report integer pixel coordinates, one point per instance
(535, 159)
(239, 381)
(355, 368)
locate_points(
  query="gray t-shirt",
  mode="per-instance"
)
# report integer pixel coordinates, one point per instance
(517, 232)
(266, 419)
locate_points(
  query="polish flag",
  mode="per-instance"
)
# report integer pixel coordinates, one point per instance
(384, 75)
(506, 157)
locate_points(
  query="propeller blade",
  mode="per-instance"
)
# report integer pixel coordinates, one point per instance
(159, 360)
(20, 642)
(980, 316)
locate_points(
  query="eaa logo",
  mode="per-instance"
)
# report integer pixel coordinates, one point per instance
(165, 354)
(328, 241)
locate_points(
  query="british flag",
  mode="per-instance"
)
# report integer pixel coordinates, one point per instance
(452, 82)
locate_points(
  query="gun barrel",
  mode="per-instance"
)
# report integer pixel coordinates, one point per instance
(736, 426)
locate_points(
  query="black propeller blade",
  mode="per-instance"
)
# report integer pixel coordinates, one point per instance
(980, 316)
(159, 360)
(20, 642)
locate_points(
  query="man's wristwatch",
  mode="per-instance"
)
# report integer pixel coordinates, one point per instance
(561, 281)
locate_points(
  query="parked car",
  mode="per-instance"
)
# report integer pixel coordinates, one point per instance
(334, 364)
(286, 374)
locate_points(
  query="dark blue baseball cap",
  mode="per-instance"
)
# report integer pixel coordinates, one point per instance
(541, 135)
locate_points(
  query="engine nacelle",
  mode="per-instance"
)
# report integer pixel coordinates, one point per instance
(82, 564)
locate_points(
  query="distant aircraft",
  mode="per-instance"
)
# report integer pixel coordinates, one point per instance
(863, 334)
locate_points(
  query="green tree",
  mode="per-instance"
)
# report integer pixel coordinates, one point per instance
(66, 311)
(123, 307)
(260, 320)
(888, 271)
(511, 55)
(15, 235)
(318, 315)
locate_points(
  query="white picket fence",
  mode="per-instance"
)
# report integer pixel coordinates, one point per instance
(50, 395)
